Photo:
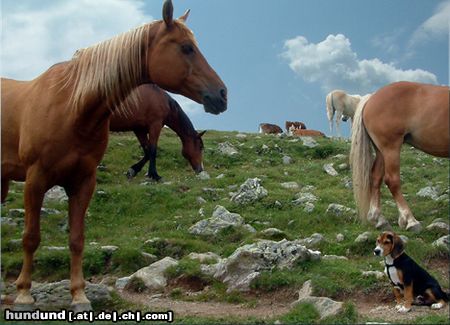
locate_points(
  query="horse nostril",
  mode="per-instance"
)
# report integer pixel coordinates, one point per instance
(223, 93)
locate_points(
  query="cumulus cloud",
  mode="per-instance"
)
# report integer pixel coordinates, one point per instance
(36, 36)
(334, 64)
(435, 27)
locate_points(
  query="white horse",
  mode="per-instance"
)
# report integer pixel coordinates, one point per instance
(342, 105)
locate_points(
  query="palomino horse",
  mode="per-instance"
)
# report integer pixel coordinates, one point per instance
(55, 127)
(154, 110)
(402, 112)
(343, 105)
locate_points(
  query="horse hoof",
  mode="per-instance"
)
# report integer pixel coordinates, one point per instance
(131, 173)
(383, 225)
(81, 307)
(23, 307)
(415, 227)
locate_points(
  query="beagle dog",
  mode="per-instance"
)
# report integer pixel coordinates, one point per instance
(407, 277)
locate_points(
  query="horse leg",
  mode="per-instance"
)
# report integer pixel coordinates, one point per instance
(79, 197)
(143, 140)
(338, 121)
(33, 197)
(374, 215)
(5, 189)
(392, 180)
(153, 136)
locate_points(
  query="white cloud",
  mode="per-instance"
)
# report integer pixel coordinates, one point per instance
(435, 27)
(334, 64)
(36, 35)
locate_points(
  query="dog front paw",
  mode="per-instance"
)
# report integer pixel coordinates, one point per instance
(438, 305)
(403, 309)
(398, 306)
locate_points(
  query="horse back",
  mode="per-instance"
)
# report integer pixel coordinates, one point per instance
(416, 113)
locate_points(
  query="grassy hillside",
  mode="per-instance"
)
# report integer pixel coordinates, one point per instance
(127, 213)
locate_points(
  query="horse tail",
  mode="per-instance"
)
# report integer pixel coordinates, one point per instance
(330, 109)
(361, 160)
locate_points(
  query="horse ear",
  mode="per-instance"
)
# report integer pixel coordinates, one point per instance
(200, 134)
(185, 16)
(167, 12)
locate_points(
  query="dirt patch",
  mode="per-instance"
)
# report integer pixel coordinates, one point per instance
(386, 312)
(263, 309)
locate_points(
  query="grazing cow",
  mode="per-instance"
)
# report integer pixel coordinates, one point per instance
(343, 105)
(295, 125)
(307, 133)
(267, 128)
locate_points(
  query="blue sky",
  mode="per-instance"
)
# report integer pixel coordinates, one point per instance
(279, 59)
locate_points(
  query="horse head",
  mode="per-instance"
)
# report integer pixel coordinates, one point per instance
(193, 151)
(175, 63)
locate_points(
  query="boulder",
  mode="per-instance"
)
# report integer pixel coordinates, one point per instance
(313, 240)
(273, 232)
(309, 142)
(329, 169)
(429, 192)
(56, 193)
(287, 160)
(308, 207)
(439, 227)
(324, 305)
(204, 257)
(221, 219)
(290, 185)
(56, 295)
(442, 242)
(377, 274)
(153, 275)
(304, 197)
(339, 210)
(227, 149)
(250, 191)
(246, 263)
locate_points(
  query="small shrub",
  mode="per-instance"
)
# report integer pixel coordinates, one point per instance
(301, 314)
(127, 260)
(135, 285)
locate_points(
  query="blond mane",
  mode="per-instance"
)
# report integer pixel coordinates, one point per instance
(111, 68)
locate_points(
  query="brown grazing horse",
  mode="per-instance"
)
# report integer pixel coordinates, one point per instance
(267, 128)
(403, 112)
(154, 110)
(55, 127)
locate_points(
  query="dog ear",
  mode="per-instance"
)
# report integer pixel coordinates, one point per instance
(398, 246)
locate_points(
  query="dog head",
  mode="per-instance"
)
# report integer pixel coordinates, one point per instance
(389, 243)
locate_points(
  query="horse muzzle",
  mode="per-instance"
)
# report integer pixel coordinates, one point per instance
(215, 102)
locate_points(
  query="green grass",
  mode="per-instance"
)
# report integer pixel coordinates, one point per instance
(128, 213)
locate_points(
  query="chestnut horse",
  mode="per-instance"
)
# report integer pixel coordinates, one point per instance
(55, 127)
(154, 110)
(403, 112)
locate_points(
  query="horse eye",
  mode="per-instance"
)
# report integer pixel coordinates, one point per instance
(187, 49)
